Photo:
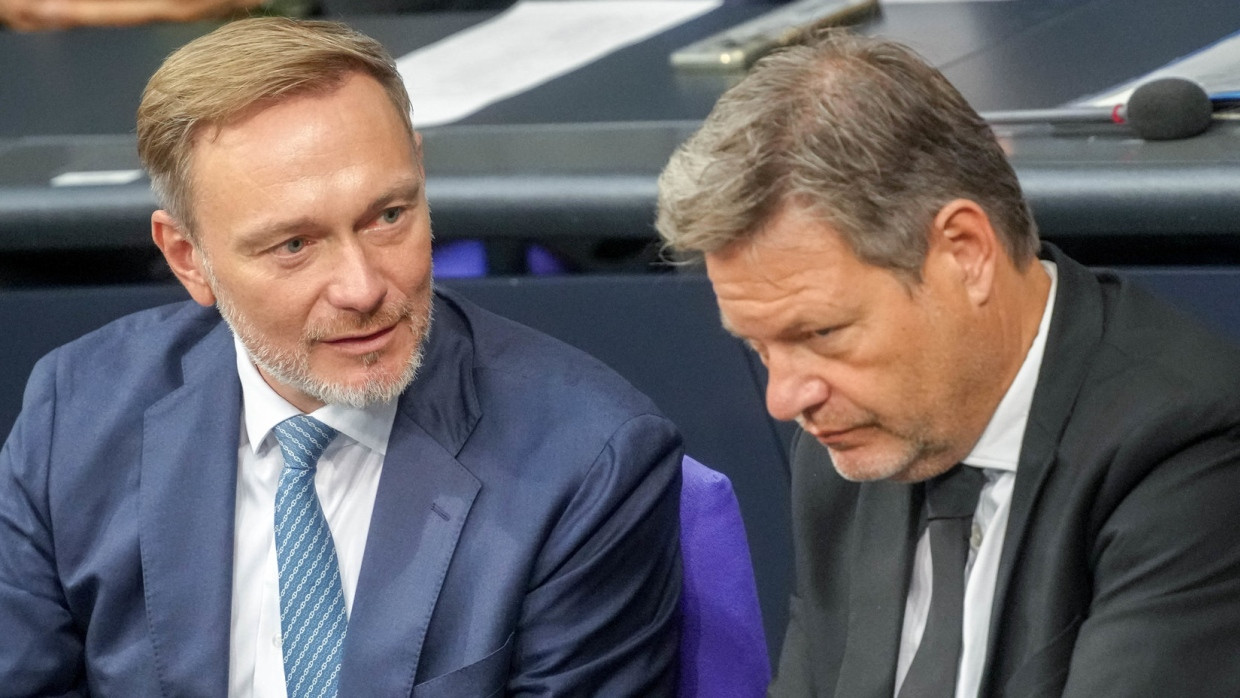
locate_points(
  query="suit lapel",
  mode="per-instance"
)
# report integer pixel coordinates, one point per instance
(882, 560)
(186, 513)
(1075, 330)
(424, 497)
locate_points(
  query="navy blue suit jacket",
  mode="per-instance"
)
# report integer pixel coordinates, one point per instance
(524, 536)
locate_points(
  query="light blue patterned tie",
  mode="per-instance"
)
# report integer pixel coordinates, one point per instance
(312, 613)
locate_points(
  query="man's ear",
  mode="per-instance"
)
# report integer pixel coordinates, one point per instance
(963, 235)
(184, 258)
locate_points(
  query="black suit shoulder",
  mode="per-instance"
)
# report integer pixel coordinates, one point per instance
(1158, 382)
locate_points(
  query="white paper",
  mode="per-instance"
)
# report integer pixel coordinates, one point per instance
(96, 178)
(527, 45)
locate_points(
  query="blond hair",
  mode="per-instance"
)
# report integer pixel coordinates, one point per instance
(219, 78)
(860, 132)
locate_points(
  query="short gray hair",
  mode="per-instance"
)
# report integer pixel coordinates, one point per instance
(860, 132)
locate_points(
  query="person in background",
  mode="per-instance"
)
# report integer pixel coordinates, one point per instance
(1014, 475)
(41, 15)
(324, 477)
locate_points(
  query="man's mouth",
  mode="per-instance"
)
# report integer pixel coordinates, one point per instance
(363, 342)
(837, 437)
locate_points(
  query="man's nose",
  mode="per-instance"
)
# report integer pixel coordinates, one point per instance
(357, 283)
(792, 387)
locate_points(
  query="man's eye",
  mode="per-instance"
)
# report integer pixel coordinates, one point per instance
(294, 246)
(391, 215)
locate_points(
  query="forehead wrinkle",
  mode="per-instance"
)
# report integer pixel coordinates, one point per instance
(766, 302)
(760, 273)
(746, 314)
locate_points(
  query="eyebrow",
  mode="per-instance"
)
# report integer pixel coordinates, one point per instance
(798, 327)
(408, 188)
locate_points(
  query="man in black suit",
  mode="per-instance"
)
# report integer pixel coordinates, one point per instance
(865, 234)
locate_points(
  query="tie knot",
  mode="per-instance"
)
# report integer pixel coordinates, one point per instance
(302, 440)
(954, 493)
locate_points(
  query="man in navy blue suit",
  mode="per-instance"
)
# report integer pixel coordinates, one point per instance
(502, 509)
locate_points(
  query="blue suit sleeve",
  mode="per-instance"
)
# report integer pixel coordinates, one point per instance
(41, 651)
(601, 615)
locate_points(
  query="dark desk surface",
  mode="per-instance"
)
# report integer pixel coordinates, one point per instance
(1002, 55)
(89, 81)
(576, 158)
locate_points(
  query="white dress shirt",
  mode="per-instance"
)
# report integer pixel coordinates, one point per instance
(996, 453)
(347, 479)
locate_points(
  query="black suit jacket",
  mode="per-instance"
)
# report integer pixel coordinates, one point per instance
(1120, 573)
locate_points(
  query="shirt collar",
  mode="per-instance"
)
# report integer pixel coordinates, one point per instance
(263, 409)
(1000, 444)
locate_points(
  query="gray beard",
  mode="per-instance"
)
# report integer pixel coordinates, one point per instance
(292, 368)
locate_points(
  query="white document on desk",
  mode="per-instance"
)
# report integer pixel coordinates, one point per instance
(527, 45)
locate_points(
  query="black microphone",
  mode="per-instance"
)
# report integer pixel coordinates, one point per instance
(1159, 110)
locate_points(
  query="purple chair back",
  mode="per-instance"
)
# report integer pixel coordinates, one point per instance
(459, 259)
(723, 650)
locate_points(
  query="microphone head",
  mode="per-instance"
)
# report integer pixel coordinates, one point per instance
(1169, 108)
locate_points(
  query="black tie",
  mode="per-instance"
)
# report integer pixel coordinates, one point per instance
(951, 499)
